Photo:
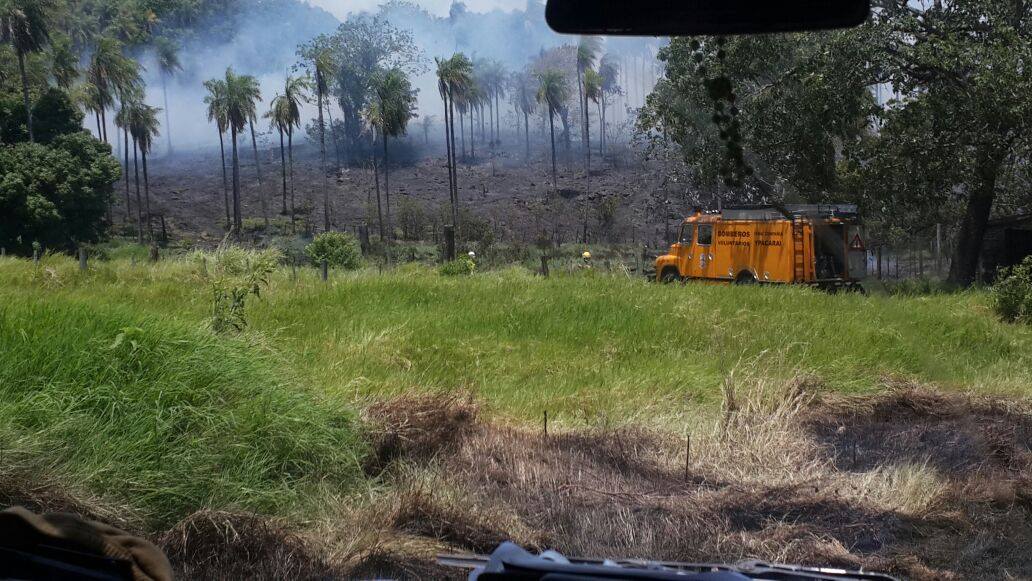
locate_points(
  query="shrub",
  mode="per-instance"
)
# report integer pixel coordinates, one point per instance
(236, 274)
(1012, 293)
(339, 249)
(463, 266)
(57, 194)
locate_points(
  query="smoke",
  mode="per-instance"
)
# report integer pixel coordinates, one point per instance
(263, 42)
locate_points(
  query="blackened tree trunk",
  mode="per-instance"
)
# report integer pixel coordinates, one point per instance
(225, 180)
(139, 198)
(964, 267)
(283, 168)
(238, 220)
(146, 194)
(258, 170)
(555, 171)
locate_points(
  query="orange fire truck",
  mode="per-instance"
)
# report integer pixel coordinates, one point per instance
(819, 245)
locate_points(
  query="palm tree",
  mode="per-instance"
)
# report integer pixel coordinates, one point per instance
(592, 93)
(609, 70)
(240, 109)
(553, 93)
(454, 80)
(253, 91)
(25, 25)
(395, 106)
(216, 101)
(168, 66)
(111, 73)
(285, 114)
(323, 66)
(587, 52)
(427, 123)
(64, 64)
(521, 93)
(143, 125)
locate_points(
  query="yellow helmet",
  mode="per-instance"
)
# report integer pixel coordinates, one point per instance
(586, 255)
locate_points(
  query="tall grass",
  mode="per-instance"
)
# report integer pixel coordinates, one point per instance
(585, 346)
(159, 415)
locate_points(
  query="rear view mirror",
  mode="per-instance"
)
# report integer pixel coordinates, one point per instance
(693, 17)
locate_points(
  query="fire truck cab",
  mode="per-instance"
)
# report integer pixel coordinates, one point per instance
(818, 245)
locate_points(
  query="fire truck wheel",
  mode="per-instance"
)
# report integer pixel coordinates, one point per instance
(745, 277)
(670, 276)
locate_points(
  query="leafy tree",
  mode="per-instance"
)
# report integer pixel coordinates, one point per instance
(111, 74)
(338, 249)
(361, 47)
(25, 25)
(56, 194)
(55, 115)
(553, 92)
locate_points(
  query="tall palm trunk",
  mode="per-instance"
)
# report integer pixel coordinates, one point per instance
(379, 204)
(333, 136)
(601, 132)
(555, 171)
(498, 120)
(472, 145)
(25, 93)
(139, 200)
(128, 209)
(168, 123)
(290, 160)
(580, 97)
(258, 170)
(100, 133)
(448, 150)
(146, 194)
(225, 180)
(103, 123)
(587, 133)
(322, 158)
(526, 133)
(387, 190)
(283, 167)
(454, 170)
(462, 133)
(491, 117)
(238, 220)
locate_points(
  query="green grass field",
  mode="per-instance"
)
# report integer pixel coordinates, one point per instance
(111, 378)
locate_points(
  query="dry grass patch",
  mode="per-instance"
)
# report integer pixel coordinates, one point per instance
(913, 481)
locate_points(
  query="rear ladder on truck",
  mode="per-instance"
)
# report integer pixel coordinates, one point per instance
(798, 249)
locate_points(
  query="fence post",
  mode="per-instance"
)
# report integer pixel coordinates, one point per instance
(920, 260)
(154, 254)
(544, 266)
(449, 242)
(82, 259)
(164, 232)
(879, 262)
(3, 252)
(325, 270)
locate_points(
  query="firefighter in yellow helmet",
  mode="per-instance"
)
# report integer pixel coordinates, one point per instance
(586, 257)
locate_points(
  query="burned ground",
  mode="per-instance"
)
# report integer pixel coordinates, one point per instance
(914, 481)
